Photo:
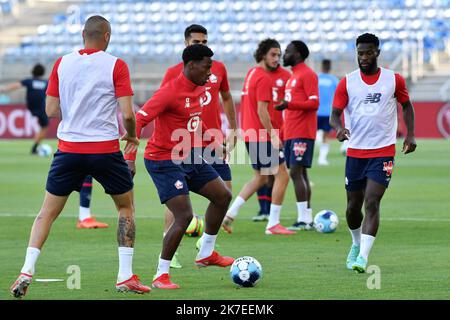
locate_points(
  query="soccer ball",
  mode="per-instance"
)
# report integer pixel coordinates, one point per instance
(246, 271)
(196, 227)
(44, 150)
(326, 221)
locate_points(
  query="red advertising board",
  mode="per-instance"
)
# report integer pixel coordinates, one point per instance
(16, 122)
(432, 120)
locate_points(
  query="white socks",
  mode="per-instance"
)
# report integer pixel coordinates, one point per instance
(84, 213)
(30, 260)
(323, 153)
(163, 267)
(234, 209)
(304, 213)
(366, 244)
(125, 263)
(356, 236)
(207, 248)
(274, 217)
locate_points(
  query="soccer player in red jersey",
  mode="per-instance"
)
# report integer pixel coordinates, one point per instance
(300, 127)
(262, 138)
(216, 86)
(279, 78)
(176, 168)
(368, 97)
(89, 145)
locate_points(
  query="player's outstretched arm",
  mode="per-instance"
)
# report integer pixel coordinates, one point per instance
(409, 145)
(10, 87)
(335, 121)
(52, 107)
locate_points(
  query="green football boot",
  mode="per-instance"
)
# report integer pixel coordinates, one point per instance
(360, 265)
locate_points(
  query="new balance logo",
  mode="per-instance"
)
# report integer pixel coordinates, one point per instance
(373, 98)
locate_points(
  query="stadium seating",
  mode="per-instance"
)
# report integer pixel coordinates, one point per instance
(153, 30)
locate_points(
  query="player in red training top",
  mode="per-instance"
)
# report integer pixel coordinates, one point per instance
(279, 78)
(262, 137)
(369, 97)
(300, 127)
(88, 145)
(216, 86)
(174, 166)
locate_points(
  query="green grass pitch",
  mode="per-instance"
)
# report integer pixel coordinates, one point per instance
(411, 249)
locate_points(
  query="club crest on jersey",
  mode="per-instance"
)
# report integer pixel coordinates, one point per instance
(213, 78)
(293, 83)
(388, 167)
(300, 149)
(279, 82)
(178, 185)
(372, 98)
(193, 124)
(188, 103)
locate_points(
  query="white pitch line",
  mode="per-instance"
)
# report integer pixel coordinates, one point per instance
(71, 216)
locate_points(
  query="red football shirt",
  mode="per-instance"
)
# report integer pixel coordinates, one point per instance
(176, 109)
(279, 78)
(218, 82)
(257, 87)
(302, 95)
(340, 101)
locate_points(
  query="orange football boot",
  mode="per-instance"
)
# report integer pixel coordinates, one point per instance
(163, 282)
(20, 286)
(132, 285)
(279, 229)
(215, 259)
(91, 223)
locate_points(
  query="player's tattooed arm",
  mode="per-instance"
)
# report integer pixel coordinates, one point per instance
(335, 121)
(126, 232)
(409, 145)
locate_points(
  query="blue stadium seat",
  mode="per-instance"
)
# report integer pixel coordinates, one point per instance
(145, 28)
